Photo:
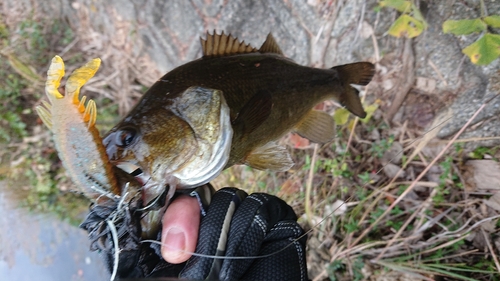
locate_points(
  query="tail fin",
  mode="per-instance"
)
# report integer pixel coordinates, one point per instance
(359, 73)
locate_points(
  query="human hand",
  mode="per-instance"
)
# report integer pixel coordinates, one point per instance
(180, 225)
(252, 237)
(259, 230)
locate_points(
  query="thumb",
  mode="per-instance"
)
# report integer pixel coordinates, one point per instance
(180, 229)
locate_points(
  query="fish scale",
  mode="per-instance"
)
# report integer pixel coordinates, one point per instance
(244, 80)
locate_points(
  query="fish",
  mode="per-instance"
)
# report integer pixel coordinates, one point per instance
(77, 140)
(267, 96)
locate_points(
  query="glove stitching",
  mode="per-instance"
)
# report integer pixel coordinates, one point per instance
(261, 224)
(256, 199)
(284, 225)
(200, 202)
(297, 231)
(301, 260)
(226, 191)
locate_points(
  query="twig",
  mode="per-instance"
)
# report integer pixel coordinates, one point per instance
(375, 47)
(69, 46)
(421, 175)
(406, 80)
(309, 186)
(472, 139)
(493, 255)
(448, 243)
(431, 63)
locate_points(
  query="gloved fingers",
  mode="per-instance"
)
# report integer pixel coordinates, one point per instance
(284, 251)
(262, 225)
(213, 234)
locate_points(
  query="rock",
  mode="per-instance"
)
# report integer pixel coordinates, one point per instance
(394, 154)
(439, 55)
(392, 170)
(310, 32)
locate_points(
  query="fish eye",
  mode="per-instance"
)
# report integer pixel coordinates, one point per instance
(125, 137)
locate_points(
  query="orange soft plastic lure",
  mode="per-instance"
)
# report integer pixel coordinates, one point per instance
(77, 140)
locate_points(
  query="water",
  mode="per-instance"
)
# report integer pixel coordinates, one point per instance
(41, 247)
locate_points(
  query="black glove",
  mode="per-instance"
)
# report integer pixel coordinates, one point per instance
(233, 224)
(255, 225)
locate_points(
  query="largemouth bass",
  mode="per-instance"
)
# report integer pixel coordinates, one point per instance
(267, 95)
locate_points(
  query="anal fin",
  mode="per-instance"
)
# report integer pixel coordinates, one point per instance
(317, 126)
(270, 156)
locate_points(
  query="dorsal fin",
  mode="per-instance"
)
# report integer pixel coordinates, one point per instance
(270, 46)
(224, 45)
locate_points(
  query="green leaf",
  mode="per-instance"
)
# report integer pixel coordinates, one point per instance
(400, 5)
(23, 69)
(418, 15)
(463, 27)
(484, 50)
(493, 21)
(341, 116)
(369, 112)
(406, 26)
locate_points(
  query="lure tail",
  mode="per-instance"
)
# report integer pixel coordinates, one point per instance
(77, 140)
(76, 80)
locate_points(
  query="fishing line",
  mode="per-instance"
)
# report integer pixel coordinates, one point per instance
(153, 202)
(322, 220)
(114, 233)
(431, 129)
(332, 212)
(250, 257)
(224, 257)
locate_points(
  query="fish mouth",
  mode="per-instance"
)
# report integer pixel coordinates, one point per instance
(130, 168)
(149, 186)
(142, 176)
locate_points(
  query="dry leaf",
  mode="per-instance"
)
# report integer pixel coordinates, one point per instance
(338, 208)
(493, 202)
(425, 84)
(366, 30)
(289, 187)
(483, 175)
(299, 142)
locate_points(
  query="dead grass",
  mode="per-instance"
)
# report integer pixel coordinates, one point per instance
(382, 202)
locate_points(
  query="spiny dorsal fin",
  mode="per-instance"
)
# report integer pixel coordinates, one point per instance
(224, 45)
(270, 46)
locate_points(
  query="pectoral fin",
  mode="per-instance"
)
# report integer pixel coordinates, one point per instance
(317, 126)
(253, 113)
(271, 156)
